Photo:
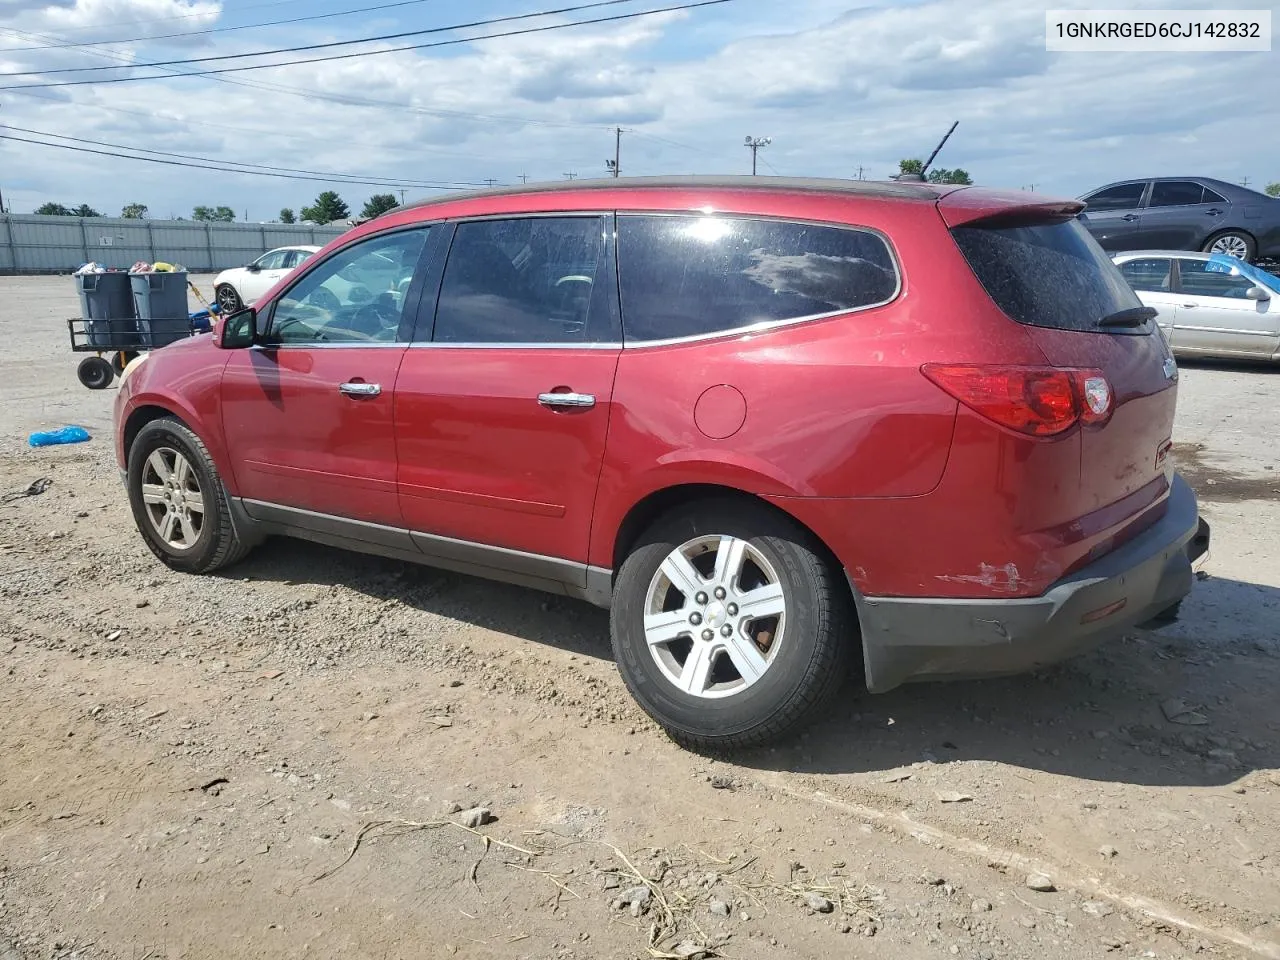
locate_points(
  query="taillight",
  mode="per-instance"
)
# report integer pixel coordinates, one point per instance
(1039, 401)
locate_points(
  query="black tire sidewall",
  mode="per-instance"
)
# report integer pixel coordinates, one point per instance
(169, 433)
(91, 365)
(784, 683)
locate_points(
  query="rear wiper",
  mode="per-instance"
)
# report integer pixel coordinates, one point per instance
(1132, 317)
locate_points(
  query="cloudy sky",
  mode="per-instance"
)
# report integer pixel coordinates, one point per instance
(837, 84)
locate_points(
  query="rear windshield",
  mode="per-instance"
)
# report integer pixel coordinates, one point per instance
(1047, 274)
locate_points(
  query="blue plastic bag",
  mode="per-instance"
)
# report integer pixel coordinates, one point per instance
(48, 438)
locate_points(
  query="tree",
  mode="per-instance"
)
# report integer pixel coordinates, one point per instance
(286, 216)
(327, 208)
(1273, 189)
(943, 175)
(134, 211)
(54, 210)
(379, 204)
(84, 210)
(910, 166)
(216, 214)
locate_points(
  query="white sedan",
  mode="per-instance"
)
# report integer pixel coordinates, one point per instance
(242, 285)
(1209, 304)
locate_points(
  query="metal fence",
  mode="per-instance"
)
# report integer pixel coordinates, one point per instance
(34, 244)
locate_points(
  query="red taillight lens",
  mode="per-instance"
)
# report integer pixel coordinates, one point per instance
(1039, 401)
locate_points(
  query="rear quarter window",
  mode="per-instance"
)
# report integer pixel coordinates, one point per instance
(1045, 274)
(685, 276)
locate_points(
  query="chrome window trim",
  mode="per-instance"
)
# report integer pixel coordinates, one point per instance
(764, 325)
(330, 345)
(1198, 203)
(565, 345)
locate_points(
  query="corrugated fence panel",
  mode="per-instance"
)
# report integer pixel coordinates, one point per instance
(35, 244)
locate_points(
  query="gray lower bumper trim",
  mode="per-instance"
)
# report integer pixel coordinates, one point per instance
(916, 638)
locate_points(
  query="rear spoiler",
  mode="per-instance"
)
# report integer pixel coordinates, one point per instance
(962, 207)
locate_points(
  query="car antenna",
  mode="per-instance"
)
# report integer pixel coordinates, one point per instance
(919, 177)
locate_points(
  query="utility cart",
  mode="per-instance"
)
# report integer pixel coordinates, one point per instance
(123, 315)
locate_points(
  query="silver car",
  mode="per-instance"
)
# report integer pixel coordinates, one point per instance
(1209, 304)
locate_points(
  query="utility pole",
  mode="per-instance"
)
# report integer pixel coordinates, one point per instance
(524, 178)
(754, 144)
(1244, 182)
(489, 181)
(571, 176)
(859, 171)
(614, 166)
(402, 196)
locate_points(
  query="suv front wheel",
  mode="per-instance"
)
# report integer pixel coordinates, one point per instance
(730, 626)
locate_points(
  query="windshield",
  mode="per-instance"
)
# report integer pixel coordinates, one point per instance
(1047, 274)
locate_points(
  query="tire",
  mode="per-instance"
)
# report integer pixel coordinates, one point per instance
(227, 298)
(212, 542)
(95, 373)
(804, 666)
(1234, 243)
(120, 359)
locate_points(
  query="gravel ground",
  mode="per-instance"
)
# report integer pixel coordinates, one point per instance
(283, 761)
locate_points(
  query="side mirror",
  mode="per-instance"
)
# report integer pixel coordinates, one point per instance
(252, 267)
(1258, 293)
(238, 330)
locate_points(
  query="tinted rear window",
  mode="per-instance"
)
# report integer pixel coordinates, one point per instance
(1046, 274)
(682, 276)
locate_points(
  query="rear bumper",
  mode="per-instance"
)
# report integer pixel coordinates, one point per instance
(933, 638)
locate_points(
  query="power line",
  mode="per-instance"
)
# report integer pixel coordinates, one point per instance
(202, 33)
(369, 53)
(216, 169)
(336, 177)
(185, 16)
(327, 46)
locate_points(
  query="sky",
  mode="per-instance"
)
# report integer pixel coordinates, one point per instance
(840, 86)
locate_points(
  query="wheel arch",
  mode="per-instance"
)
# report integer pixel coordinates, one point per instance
(150, 409)
(1215, 234)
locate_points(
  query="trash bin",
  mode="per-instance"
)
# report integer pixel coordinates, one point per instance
(104, 298)
(160, 300)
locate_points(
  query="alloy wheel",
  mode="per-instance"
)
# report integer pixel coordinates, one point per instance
(172, 498)
(715, 616)
(1232, 245)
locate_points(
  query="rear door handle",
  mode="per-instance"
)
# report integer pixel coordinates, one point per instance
(1189, 306)
(582, 401)
(360, 389)
(1129, 217)
(1215, 212)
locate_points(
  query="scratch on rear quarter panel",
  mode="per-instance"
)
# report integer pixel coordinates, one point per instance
(1005, 578)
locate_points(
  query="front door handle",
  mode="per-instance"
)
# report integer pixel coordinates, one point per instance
(1129, 217)
(1189, 306)
(360, 389)
(581, 401)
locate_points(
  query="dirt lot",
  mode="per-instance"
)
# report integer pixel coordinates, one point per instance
(276, 762)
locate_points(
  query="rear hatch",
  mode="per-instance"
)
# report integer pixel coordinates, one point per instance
(1044, 271)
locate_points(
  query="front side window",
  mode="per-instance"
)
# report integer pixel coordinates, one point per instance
(275, 260)
(1205, 278)
(1176, 193)
(523, 280)
(356, 295)
(684, 276)
(1124, 197)
(1149, 273)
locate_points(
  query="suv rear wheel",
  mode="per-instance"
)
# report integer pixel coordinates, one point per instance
(730, 626)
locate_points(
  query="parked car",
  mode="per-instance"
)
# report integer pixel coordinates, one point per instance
(1184, 213)
(241, 285)
(777, 425)
(1209, 304)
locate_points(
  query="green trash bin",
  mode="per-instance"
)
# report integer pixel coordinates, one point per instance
(160, 301)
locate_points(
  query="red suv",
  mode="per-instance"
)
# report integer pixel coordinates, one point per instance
(779, 426)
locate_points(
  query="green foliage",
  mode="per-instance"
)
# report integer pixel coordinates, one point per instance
(216, 214)
(327, 208)
(54, 210)
(134, 211)
(379, 204)
(943, 175)
(286, 216)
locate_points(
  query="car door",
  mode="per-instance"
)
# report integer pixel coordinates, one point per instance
(1152, 280)
(263, 274)
(503, 401)
(308, 413)
(1112, 215)
(1180, 215)
(1215, 314)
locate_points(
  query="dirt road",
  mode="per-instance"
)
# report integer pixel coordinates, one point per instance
(279, 762)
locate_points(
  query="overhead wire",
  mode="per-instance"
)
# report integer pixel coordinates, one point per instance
(368, 53)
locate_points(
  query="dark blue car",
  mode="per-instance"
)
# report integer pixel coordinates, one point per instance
(1184, 213)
